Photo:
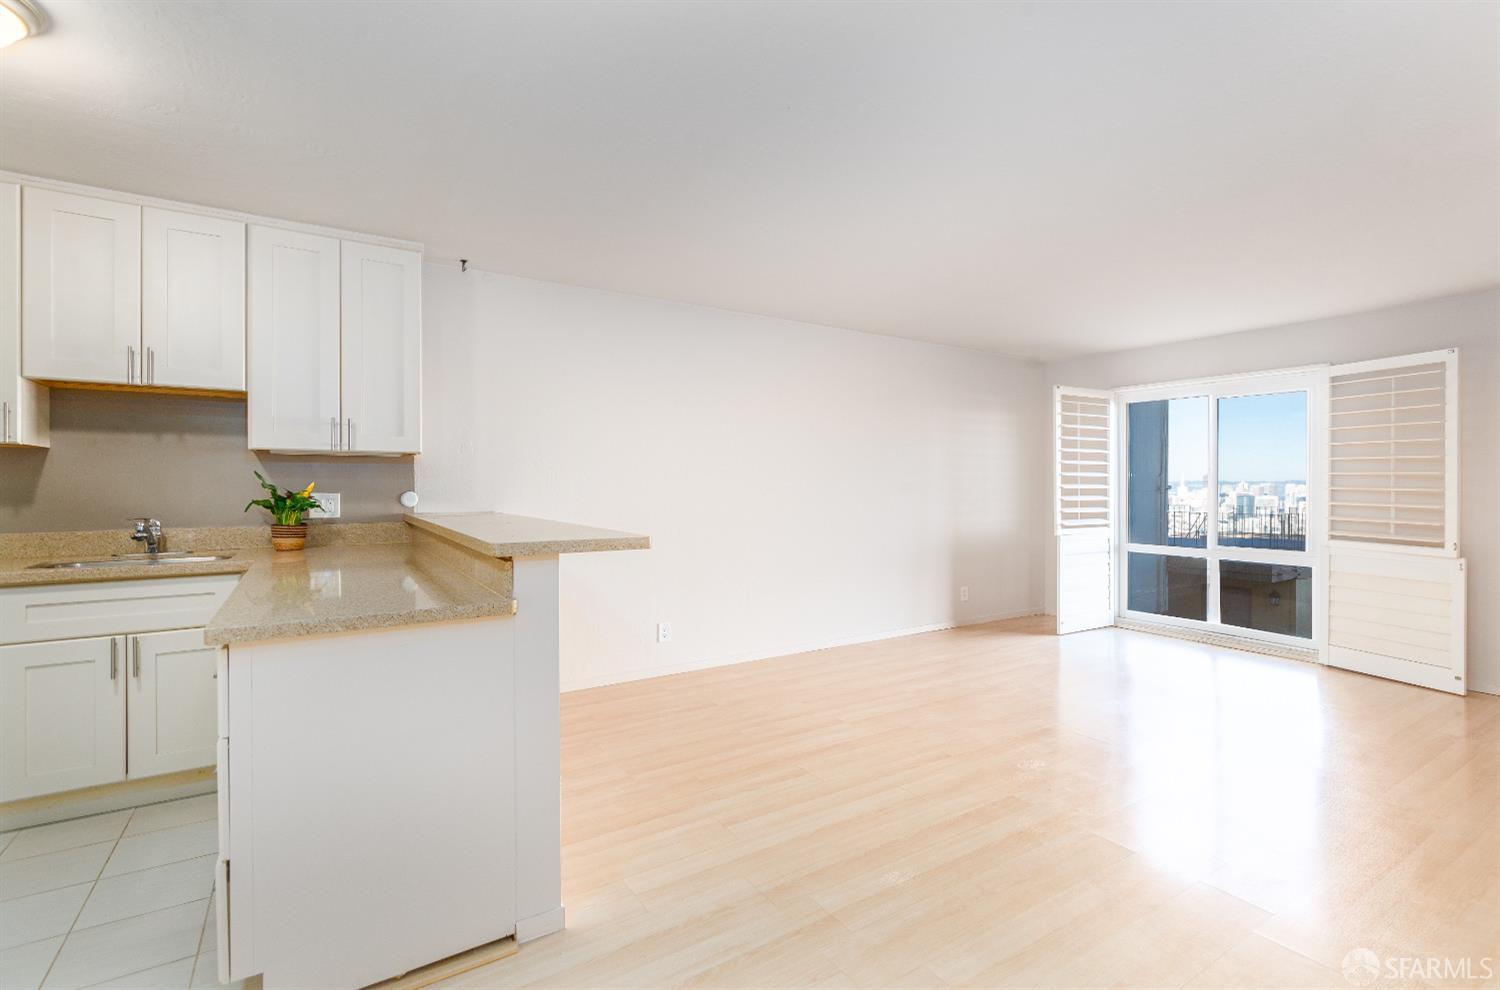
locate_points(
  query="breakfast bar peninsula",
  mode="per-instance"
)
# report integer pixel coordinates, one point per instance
(390, 752)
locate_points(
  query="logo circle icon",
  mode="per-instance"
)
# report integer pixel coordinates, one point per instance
(1361, 967)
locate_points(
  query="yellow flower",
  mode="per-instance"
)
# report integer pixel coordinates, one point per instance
(308, 490)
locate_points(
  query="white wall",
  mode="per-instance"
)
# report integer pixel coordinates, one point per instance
(1471, 321)
(802, 485)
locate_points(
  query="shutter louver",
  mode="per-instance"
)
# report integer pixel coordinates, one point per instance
(1391, 446)
(1084, 427)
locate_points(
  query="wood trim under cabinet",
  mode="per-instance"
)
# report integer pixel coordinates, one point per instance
(195, 393)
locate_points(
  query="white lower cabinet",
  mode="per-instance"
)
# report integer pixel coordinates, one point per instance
(62, 716)
(93, 690)
(342, 885)
(171, 714)
(80, 712)
(221, 914)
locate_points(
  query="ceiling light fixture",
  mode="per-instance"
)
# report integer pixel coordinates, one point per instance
(19, 19)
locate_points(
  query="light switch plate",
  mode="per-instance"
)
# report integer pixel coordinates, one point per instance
(331, 506)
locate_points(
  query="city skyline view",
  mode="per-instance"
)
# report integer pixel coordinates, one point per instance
(1261, 498)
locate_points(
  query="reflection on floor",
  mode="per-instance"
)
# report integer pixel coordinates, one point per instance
(999, 807)
(986, 807)
(118, 900)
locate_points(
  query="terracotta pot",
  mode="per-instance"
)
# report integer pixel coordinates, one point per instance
(289, 537)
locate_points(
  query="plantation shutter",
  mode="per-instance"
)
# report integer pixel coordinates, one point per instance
(1083, 507)
(1393, 452)
(1395, 583)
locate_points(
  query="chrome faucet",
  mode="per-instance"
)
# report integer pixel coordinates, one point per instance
(149, 531)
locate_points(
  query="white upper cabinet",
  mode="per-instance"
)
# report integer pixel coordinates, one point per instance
(322, 335)
(80, 288)
(293, 341)
(382, 364)
(114, 293)
(23, 404)
(192, 301)
(334, 339)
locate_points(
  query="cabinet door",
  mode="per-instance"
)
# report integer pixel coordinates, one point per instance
(80, 288)
(192, 300)
(173, 708)
(382, 315)
(23, 404)
(293, 341)
(62, 716)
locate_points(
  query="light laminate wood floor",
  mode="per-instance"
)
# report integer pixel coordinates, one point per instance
(999, 807)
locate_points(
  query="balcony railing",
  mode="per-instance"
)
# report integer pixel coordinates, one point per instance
(1267, 529)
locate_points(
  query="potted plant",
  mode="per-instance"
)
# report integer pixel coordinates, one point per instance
(287, 507)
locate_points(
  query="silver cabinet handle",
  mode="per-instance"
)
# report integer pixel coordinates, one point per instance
(129, 364)
(150, 366)
(135, 664)
(114, 658)
(5, 423)
(351, 434)
(333, 433)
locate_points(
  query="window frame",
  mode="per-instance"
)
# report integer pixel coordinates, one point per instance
(1313, 381)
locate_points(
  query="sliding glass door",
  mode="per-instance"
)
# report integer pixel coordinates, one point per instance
(1221, 502)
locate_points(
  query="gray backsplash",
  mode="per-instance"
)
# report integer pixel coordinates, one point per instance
(116, 455)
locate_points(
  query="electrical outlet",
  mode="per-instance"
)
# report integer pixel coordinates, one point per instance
(664, 632)
(963, 593)
(330, 506)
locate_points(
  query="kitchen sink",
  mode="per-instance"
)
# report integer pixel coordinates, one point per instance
(135, 560)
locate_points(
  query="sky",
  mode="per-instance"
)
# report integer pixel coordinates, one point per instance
(1261, 438)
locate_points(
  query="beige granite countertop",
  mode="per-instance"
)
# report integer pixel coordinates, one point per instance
(363, 577)
(346, 588)
(431, 568)
(20, 551)
(500, 534)
(17, 572)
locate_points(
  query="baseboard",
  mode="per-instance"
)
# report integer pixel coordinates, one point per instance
(48, 808)
(541, 924)
(646, 673)
(455, 965)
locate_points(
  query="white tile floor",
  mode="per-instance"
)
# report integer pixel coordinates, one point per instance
(117, 900)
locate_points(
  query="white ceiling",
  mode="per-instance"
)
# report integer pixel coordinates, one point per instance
(1040, 179)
